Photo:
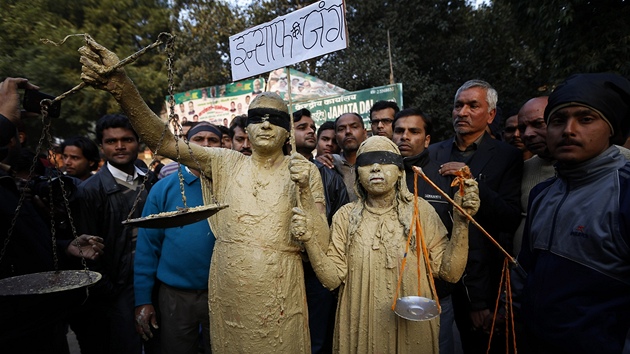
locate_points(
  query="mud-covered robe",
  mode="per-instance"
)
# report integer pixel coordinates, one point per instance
(367, 248)
(256, 286)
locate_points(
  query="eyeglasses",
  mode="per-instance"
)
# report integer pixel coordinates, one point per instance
(386, 121)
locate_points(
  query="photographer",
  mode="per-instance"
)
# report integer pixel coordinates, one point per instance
(31, 323)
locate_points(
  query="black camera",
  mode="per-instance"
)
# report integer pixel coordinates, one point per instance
(41, 186)
(32, 103)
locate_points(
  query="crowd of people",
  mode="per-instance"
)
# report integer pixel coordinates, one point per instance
(307, 256)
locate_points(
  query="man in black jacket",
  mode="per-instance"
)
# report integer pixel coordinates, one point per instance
(321, 302)
(106, 199)
(412, 134)
(497, 167)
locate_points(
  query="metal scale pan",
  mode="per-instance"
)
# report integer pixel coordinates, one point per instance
(416, 308)
(181, 217)
(47, 282)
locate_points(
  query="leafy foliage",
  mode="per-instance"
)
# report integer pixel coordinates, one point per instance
(572, 36)
(122, 26)
(203, 46)
(523, 48)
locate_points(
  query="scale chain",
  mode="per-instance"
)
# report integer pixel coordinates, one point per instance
(169, 42)
(51, 204)
(46, 135)
(22, 194)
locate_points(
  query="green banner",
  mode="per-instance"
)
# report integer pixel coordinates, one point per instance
(220, 104)
(217, 104)
(360, 102)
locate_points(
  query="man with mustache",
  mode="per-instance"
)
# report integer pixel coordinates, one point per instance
(176, 260)
(240, 140)
(512, 136)
(497, 166)
(350, 133)
(533, 129)
(412, 134)
(321, 301)
(305, 143)
(575, 249)
(105, 200)
(382, 116)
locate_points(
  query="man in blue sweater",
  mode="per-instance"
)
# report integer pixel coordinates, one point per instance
(178, 259)
(576, 242)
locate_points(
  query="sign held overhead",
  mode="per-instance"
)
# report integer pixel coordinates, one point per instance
(309, 32)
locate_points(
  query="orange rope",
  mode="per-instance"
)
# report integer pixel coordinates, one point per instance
(426, 260)
(509, 311)
(463, 212)
(418, 258)
(509, 300)
(496, 308)
(416, 213)
(402, 266)
(419, 240)
(507, 328)
(508, 258)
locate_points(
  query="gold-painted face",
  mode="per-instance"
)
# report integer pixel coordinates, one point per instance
(379, 179)
(269, 100)
(266, 136)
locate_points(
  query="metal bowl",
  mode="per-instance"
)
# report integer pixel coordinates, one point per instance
(416, 308)
(47, 282)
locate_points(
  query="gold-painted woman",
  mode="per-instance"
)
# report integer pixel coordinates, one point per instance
(366, 254)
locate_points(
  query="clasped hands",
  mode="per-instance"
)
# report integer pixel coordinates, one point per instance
(470, 201)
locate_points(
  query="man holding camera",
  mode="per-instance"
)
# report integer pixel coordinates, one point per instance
(33, 324)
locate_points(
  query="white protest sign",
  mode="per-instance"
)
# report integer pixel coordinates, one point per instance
(312, 31)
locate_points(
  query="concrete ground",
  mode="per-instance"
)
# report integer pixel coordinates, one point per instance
(74, 345)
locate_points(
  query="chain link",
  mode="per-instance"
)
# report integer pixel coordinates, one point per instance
(162, 39)
(45, 135)
(177, 128)
(171, 101)
(18, 208)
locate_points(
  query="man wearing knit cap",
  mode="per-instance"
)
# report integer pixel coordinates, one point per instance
(257, 298)
(179, 257)
(576, 244)
(204, 133)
